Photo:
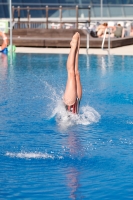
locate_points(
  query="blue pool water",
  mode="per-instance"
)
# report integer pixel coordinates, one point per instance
(44, 154)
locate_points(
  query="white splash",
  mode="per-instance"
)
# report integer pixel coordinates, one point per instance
(129, 122)
(35, 155)
(87, 115)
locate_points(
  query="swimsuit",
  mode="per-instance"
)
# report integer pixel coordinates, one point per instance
(75, 107)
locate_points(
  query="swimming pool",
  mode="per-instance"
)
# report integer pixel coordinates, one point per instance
(46, 155)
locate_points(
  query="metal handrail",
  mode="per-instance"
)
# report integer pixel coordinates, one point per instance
(88, 37)
(107, 29)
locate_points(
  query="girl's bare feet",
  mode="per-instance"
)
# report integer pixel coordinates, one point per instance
(75, 39)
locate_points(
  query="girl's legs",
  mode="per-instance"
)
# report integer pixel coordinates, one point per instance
(77, 74)
(71, 87)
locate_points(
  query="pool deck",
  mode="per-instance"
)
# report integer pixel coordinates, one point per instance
(125, 50)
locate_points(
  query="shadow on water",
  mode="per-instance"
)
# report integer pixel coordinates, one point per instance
(72, 171)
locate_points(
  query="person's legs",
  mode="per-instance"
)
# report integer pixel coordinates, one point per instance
(100, 32)
(77, 74)
(71, 88)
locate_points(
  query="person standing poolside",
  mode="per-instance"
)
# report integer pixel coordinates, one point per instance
(73, 91)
